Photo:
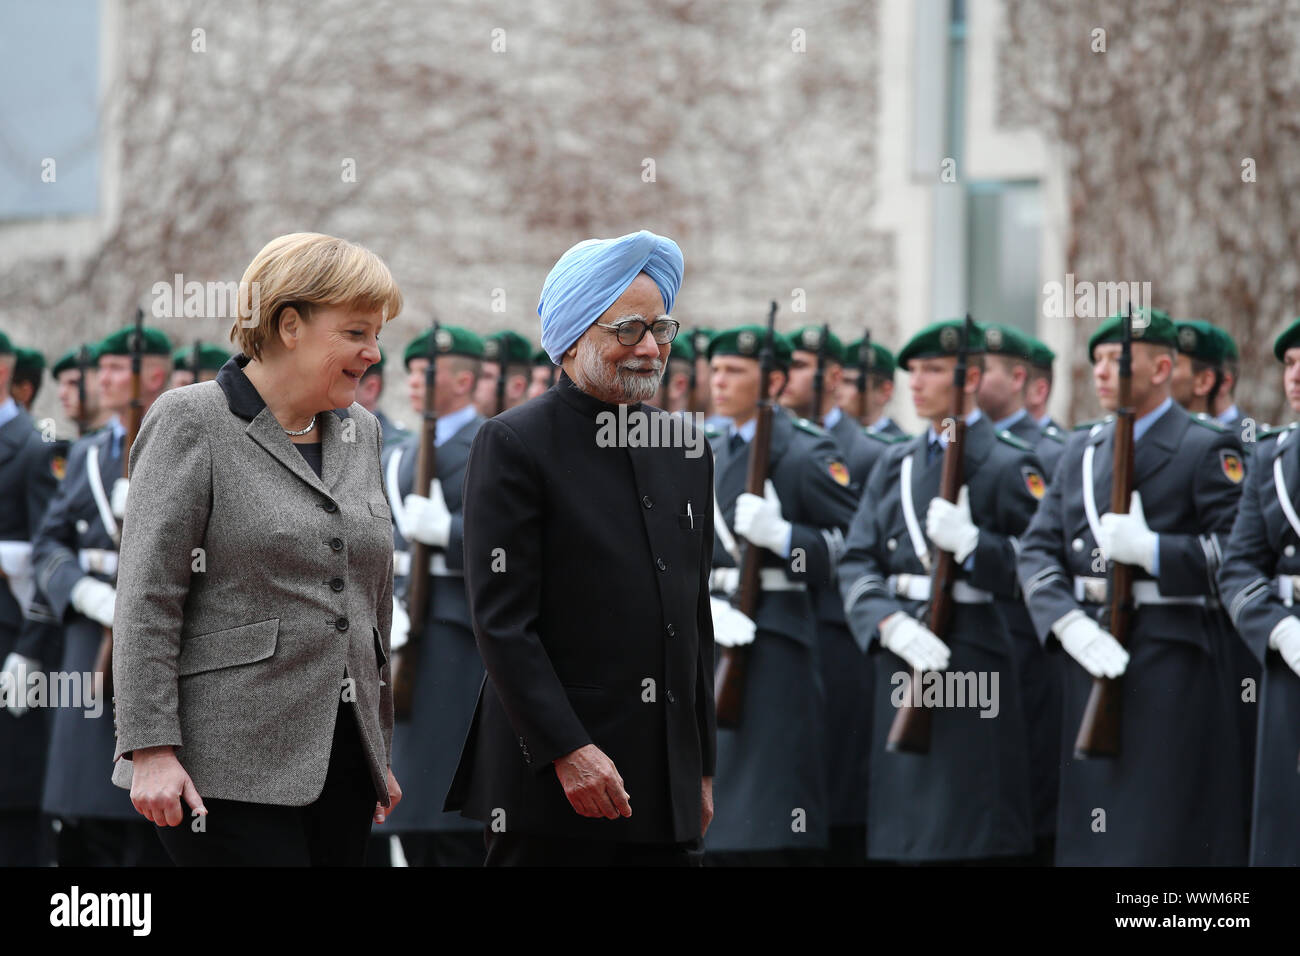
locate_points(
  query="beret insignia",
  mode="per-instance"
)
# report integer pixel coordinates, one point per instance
(948, 339)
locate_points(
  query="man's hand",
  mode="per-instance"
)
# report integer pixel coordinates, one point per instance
(950, 526)
(914, 642)
(95, 599)
(1127, 538)
(394, 796)
(706, 804)
(758, 520)
(13, 679)
(731, 628)
(427, 519)
(592, 784)
(1096, 650)
(1285, 639)
(158, 784)
(117, 498)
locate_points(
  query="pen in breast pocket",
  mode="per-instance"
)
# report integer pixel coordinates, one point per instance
(690, 516)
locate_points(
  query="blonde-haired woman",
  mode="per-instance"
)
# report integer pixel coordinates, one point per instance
(253, 708)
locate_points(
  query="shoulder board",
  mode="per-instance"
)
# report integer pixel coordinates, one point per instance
(804, 425)
(712, 431)
(1086, 426)
(1274, 432)
(1205, 421)
(1013, 441)
(1054, 433)
(885, 438)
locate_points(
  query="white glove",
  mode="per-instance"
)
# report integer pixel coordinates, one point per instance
(427, 519)
(95, 599)
(1127, 539)
(950, 526)
(730, 627)
(16, 562)
(1285, 639)
(14, 682)
(1096, 650)
(117, 500)
(759, 519)
(401, 629)
(914, 642)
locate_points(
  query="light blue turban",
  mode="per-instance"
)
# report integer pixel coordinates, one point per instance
(591, 276)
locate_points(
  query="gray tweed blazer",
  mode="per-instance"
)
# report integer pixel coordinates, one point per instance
(253, 596)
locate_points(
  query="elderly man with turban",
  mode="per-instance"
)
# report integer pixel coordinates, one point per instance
(587, 567)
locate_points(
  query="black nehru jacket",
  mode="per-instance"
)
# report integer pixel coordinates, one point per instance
(587, 570)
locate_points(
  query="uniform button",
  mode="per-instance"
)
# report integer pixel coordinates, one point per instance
(1077, 544)
(330, 506)
(336, 544)
(337, 584)
(341, 624)
(671, 698)
(892, 544)
(671, 630)
(1289, 550)
(659, 563)
(645, 500)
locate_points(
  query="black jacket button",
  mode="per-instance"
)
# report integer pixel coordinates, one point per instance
(341, 624)
(336, 544)
(337, 584)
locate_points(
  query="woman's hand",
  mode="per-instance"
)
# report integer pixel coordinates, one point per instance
(158, 783)
(394, 795)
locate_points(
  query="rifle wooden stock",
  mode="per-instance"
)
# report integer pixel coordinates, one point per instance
(418, 585)
(1099, 731)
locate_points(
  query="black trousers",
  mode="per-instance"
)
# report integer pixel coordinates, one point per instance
(332, 831)
(526, 849)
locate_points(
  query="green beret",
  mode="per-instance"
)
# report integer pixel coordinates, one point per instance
(68, 360)
(1007, 340)
(1203, 341)
(682, 349)
(6, 347)
(1040, 356)
(508, 347)
(211, 358)
(29, 360)
(451, 340)
(1151, 326)
(1289, 338)
(808, 339)
(881, 362)
(541, 358)
(939, 339)
(747, 342)
(700, 338)
(119, 343)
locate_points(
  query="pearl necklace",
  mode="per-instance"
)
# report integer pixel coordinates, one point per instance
(310, 426)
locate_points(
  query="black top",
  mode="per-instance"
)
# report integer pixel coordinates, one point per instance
(311, 453)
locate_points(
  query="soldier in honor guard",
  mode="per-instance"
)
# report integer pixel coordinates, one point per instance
(1260, 581)
(967, 799)
(427, 746)
(543, 374)
(868, 405)
(1039, 388)
(1174, 794)
(507, 370)
(199, 362)
(1205, 373)
(80, 401)
(702, 398)
(1003, 388)
(29, 370)
(770, 787)
(75, 555)
(369, 392)
(27, 482)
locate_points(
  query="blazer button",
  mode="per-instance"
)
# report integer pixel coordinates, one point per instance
(659, 563)
(645, 500)
(336, 544)
(671, 630)
(329, 506)
(337, 584)
(341, 624)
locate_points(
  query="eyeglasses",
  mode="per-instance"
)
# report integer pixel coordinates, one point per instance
(632, 331)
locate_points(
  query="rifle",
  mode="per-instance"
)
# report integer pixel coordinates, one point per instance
(1099, 730)
(418, 586)
(819, 377)
(866, 359)
(729, 679)
(83, 367)
(910, 731)
(104, 658)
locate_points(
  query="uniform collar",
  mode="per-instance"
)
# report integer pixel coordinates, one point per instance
(880, 424)
(1005, 423)
(453, 422)
(1044, 421)
(745, 431)
(241, 395)
(1228, 417)
(1141, 425)
(832, 417)
(8, 410)
(971, 419)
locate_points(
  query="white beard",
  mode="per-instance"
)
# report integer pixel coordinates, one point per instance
(594, 374)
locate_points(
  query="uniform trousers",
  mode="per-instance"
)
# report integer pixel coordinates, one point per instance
(331, 831)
